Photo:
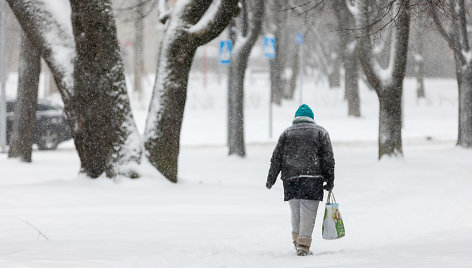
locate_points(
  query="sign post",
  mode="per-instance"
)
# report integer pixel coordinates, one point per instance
(270, 53)
(3, 111)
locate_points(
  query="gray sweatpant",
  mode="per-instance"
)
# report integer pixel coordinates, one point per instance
(303, 216)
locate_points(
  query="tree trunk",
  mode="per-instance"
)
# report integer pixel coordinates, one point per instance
(231, 36)
(389, 84)
(348, 53)
(246, 29)
(419, 64)
(24, 120)
(162, 136)
(465, 108)
(107, 139)
(292, 81)
(275, 80)
(138, 48)
(351, 83)
(236, 94)
(183, 36)
(277, 63)
(458, 41)
(390, 122)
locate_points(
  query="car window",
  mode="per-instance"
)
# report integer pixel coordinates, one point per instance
(10, 107)
(44, 107)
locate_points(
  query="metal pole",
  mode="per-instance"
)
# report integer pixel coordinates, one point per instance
(204, 67)
(270, 113)
(3, 63)
(300, 72)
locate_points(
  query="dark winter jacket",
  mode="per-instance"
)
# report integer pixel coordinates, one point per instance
(304, 156)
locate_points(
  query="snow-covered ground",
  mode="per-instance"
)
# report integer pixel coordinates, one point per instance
(410, 212)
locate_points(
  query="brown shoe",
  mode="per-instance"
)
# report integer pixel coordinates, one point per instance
(303, 246)
(294, 239)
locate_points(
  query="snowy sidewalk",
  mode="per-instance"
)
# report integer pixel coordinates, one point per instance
(398, 213)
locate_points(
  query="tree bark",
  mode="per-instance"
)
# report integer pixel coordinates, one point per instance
(107, 139)
(182, 37)
(465, 108)
(236, 142)
(24, 119)
(419, 64)
(390, 121)
(292, 80)
(351, 83)
(461, 47)
(139, 49)
(168, 102)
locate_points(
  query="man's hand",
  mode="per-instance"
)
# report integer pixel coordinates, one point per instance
(328, 187)
(268, 185)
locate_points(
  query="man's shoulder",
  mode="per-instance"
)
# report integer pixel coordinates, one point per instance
(321, 129)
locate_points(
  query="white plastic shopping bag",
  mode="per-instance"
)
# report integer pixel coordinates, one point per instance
(333, 226)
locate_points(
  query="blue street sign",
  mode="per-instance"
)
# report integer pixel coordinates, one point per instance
(269, 46)
(299, 38)
(225, 51)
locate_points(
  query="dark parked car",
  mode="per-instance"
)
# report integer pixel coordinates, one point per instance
(51, 124)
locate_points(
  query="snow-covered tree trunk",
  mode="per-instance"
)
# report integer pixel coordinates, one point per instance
(109, 142)
(22, 137)
(89, 77)
(388, 83)
(189, 25)
(458, 41)
(419, 63)
(348, 51)
(139, 48)
(248, 25)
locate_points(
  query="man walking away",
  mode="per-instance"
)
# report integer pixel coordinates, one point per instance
(304, 156)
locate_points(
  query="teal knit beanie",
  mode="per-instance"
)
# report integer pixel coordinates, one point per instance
(304, 110)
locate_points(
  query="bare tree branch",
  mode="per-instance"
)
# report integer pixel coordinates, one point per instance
(448, 37)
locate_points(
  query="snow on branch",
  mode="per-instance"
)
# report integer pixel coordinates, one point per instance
(251, 19)
(207, 19)
(214, 21)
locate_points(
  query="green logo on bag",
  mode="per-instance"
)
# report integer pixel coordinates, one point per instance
(339, 225)
(340, 228)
